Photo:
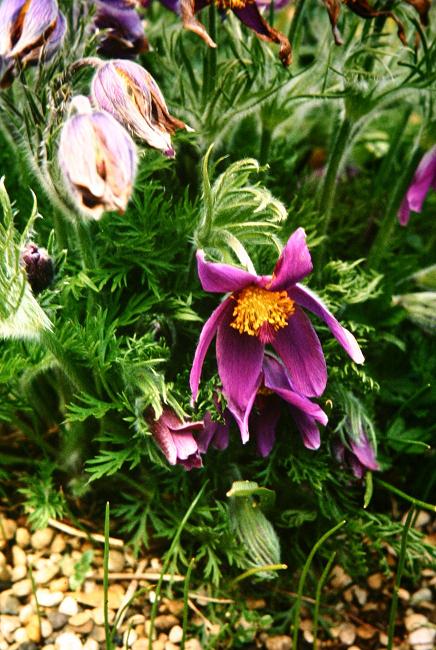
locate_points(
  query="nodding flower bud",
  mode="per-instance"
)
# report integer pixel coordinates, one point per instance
(176, 439)
(98, 160)
(29, 30)
(123, 29)
(131, 95)
(38, 266)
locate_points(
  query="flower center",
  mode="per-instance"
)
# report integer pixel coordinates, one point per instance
(259, 312)
(232, 4)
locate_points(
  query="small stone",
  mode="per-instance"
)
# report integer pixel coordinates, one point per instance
(42, 538)
(308, 636)
(254, 603)
(136, 619)
(165, 622)
(50, 646)
(18, 573)
(354, 647)
(59, 544)
(25, 613)
(22, 588)
(414, 621)
(361, 595)
(59, 584)
(375, 581)
(383, 638)
(156, 564)
(149, 631)
(193, 644)
(33, 629)
(347, 633)
(129, 638)
(20, 635)
(57, 620)
(140, 644)
(176, 634)
(8, 625)
(98, 634)
(82, 622)
(422, 519)
(420, 595)
(9, 604)
(68, 606)
(8, 529)
(18, 556)
(46, 628)
(29, 645)
(22, 537)
(47, 598)
(403, 594)
(116, 561)
(158, 645)
(174, 607)
(170, 646)
(91, 644)
(366, 631)
(423, 638)
(68, 641)
(280, 642)
(46, 574)
(340, 579)
(67, 566)
(95, 598)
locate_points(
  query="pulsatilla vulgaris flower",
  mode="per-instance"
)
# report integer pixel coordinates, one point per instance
(124, 32)
(423, 180)
(98, 160)
(246, 10)
(38, 266)
(263, 310)
(176, 439)
(127, 91)
(29, 29)
(358, 454)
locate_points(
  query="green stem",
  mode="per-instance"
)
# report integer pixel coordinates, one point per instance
(75, 374)
(301, 582)
(319, 586)
(185, 602)
(265, 143)
(416, 502)
(400, 569)
(107, 631)
(86, 245)
(296, 20)
(328, 189)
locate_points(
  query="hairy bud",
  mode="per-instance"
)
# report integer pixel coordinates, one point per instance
(38, 266)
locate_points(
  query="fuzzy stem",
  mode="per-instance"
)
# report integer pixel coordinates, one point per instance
(86, 246)
(400, 569)
(328, 189)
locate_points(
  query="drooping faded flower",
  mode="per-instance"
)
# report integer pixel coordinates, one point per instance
(98, 160)
(260, 311)
(423, 180)
(176, 439)
(123, 29)
(38, 266)
(29, 30)
(127, 91)
(358, 454)
(246, 10)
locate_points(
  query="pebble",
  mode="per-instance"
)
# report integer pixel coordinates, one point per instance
(176, 634)
(95, 598)
(414, 621)
(8, 625)
(116, 561)
(9, 604)
(22, 537)
(170, 646)
(59, 584)
(403, 594)
(20, 635)
(366, 631)
(57, 620)
(347, 633)
(158, 645)
(19, 557)
(140, 644)
(82, 622)
(280, 642)
(18, 573)
(29, 645)
(423, 638)
(193, 644)
(59, 544)
(33, 629)
(375, 581)
(25, 613)
(165, 622)
(383, 638)
(98, 634)
(174, 606)
(68, 641)
(340, 579)
(129, 638)
(8, 529)
(68, 606)
(91, 644)
(50, 646)
(420, 595)
(46, 574)
(361, 595)
(22, 588)
(136, 619)
(47, 598)
(41, 538)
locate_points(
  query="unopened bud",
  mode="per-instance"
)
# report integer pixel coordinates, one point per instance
(38, 266)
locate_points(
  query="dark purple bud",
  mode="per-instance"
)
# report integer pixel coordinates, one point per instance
(38, 266)
(123, 29)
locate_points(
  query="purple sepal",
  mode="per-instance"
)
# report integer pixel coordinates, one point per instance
(424, 179)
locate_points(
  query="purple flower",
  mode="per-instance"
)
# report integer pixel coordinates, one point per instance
(176, 440)
(29, 29)
(38, 266)
(263, 310)
(98, 160)
(131, 95)
(358, 454)
(124, 32)
(423, 180)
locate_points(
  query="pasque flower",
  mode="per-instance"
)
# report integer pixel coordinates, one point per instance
(246, 10)
(423, 180)
(38, 266)
(124, 32)
(29, 29)
(358, 454)
(98, 160)
(176, 439)
(127, 91)
(260, 311)
(263, 310)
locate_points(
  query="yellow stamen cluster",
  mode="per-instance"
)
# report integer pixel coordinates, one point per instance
(232, 4)
(257, 307)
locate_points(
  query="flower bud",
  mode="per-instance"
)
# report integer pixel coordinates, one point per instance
(131, 95)
(38, 266)
(124, 32)
(176, 440)
(29, 29)
(98, 160)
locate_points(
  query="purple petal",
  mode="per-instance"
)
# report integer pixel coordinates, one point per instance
(293, 264)
(222, 278)
(307, 428)
(239, 358)
(125, 36)
(165, 440)
(206, 337)
(404, 212)
(300, 350)
(423, 180)
(38, 20)
(306, 298)
(276, 379)
(364, 452)
(185, 444)
(251, 16)
(214, 433)
(263, 425)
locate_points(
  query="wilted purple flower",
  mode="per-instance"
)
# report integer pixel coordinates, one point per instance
(131, 95)
(263, 310)
(29, 29)
(423, 180)
(176, 440)
(38, 266)
(98, 160)
(358, 454)
(124, 32)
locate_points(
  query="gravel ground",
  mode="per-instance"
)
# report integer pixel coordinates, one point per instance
(51, 597)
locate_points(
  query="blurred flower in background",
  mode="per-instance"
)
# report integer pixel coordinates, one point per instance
(123, 34)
